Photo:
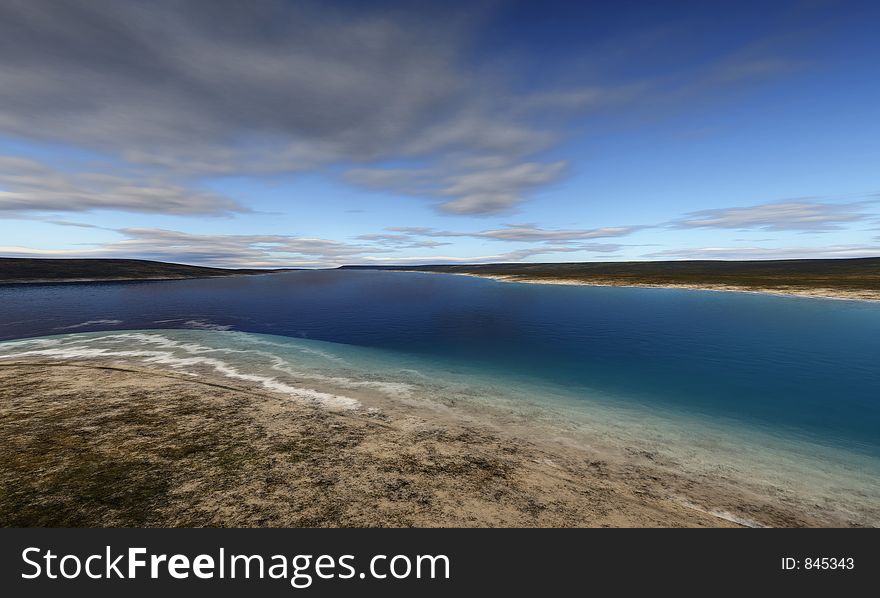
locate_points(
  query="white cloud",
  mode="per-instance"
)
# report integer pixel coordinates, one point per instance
(489, 186)
(30, 186)
(400, 241)
(524, 233)
(275, 251)
(207, 88)
(253, 251)
(769, 253)
(509, 256)
(784, 215)
(534, 233)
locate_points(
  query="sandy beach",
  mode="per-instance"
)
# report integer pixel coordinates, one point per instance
(781, 290)
(103, 443)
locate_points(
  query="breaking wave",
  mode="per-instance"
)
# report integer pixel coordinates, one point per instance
(162, 350)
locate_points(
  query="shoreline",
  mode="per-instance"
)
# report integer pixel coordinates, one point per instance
(420, 461)
(128, 279)
(816, 293)
(866, 295)
(380, 465)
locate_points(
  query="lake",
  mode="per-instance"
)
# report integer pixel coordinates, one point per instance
(797, 379)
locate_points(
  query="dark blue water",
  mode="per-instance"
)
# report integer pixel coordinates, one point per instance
(805, 365)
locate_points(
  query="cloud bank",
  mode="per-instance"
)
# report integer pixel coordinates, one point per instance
(206, 87)
(30, 186)
(800, 215)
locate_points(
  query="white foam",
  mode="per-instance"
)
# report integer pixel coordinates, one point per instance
(275, 361)
(307, 350)
(278, 363)
(13, 323)
(205, 325)
(77, 350)
(88, 323)
(40, 342)
(726, 515)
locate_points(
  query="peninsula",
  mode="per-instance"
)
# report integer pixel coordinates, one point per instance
(26, 270)
(832, 278)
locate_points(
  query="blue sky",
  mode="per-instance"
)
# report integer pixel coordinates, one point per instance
(320, 134)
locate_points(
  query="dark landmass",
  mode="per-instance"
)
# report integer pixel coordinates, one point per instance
(26, 270)
(838, 278)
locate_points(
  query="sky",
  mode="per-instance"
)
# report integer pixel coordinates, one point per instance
(316, 134)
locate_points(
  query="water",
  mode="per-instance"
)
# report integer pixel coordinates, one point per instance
(790, 386)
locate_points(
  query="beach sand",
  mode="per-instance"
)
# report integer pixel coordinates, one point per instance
(780, 290)
(101, 443)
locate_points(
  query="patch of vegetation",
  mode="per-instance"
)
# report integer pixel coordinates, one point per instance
(59, 270)
(844, 274)
(114, 461)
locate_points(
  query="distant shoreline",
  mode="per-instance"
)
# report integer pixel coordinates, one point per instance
(851, 279)
(130, 278)
(856, 279)
(835, 294)
(55, 271)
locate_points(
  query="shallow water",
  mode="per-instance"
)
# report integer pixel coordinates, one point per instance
(779, 390)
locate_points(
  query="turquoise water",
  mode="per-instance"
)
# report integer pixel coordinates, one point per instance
(782, 391)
